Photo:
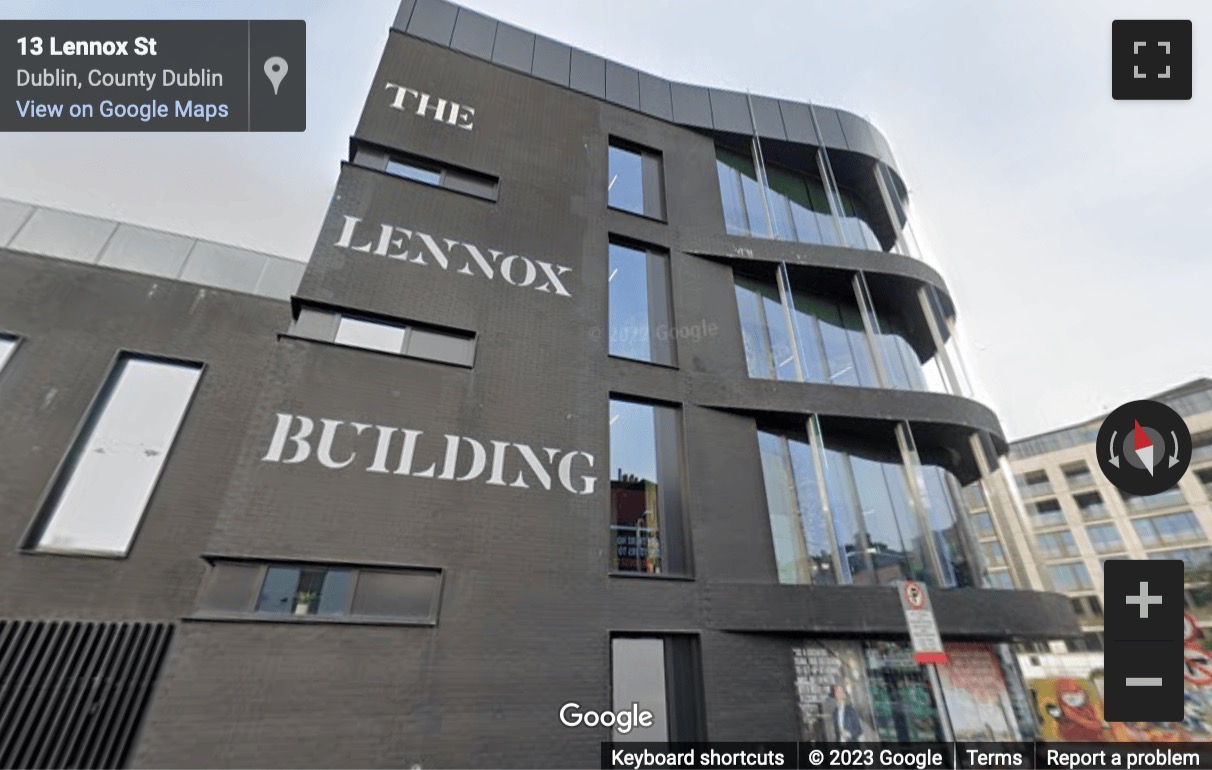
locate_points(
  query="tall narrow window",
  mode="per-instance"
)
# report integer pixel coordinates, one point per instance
(641, 323)
(635, 180)
(803, 548)
(7, 346)
(645, 489)
(100, 494)
(661, 675)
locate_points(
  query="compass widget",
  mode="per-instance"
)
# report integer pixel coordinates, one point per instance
(1144, 447)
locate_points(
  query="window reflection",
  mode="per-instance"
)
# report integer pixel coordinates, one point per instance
(644, 489)
(626, 187)
(630, 328)
(798, 204)
(833, 340)
(877, 530)
(302, 591)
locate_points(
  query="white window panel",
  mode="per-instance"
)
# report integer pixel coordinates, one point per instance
(370, 335)
(639, 677)
(118, 462)
(6, 349)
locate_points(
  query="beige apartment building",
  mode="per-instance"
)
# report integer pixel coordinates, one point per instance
(1071, 520)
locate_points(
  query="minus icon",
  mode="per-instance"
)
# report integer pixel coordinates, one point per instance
(1143, 681)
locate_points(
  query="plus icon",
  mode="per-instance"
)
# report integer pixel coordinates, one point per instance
(1151, 59)
(1144, 599)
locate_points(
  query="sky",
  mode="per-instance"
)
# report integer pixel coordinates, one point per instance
(1067, 225)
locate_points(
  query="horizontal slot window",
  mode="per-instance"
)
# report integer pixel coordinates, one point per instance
(428, 171)
(394, 337)
(286, 591)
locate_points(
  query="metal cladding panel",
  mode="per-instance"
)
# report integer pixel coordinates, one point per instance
(730, 112)
(797, 120)
(147, 251)
(552, 61)
(622, 85)
(691, 105)
(655, 97)
(859, 135)
(404, 14)
(280, 278)
(830, 127)
(64, 234)
(514, 48)
(474, 34)
(226, 267)
(433, 20)
(588, 74)
(12, 216)
(768, 118)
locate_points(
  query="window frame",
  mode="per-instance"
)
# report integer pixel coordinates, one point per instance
(674, 533)
(263, 565)
(658, 285)
(321, 322)
(69, 459)
(375, 157)
(652, 178)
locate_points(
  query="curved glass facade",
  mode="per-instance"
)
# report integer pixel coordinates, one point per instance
(847, 509)
(790, 205)
(835, 339)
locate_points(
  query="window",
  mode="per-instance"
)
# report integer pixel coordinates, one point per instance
(102, 490)
(1087, 606)
(1046, 513)
(1170, 529)
(833, 342)
(645, 494)
(1077, 475)
(371, 335)
(1034, 483)
(426, 171)
(798, 202)
(1105, 538)
(1054, 545)
(1089, 642)
(803, 549)
(237, 589)
(982, 524)
(974, 496)
(1091, 506)
(1000, 579)
(1205, 478)
(1201, 446)
(994, 555)
(1193, 558)
(1171, 498)
(1070, 577)
(7, 346)
(635, 180)
(641, 323)
(877, 532)
(660, 674)
(429, 343)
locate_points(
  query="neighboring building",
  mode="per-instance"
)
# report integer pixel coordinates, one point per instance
(597, 389)
(1078, 521)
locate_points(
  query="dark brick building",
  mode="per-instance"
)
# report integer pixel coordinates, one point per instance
(597, 389)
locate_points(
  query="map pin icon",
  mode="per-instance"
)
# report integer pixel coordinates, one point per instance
(275, 70)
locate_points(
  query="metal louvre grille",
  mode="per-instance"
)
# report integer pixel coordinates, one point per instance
(72, 693)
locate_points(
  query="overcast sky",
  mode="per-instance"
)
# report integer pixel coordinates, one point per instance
(1068, 225)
